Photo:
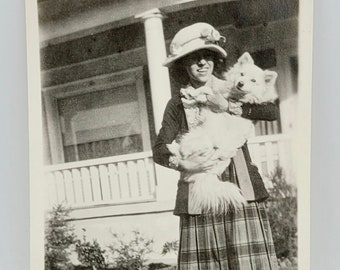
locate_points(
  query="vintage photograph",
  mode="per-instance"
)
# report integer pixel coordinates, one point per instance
(169, 134)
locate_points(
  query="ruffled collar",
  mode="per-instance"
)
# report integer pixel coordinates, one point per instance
(192, 97)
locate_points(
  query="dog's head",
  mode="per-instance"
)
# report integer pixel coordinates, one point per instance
(251, 83)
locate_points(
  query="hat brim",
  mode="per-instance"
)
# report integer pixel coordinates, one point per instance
(212, 47)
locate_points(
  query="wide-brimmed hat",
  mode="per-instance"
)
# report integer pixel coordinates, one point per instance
(195, 37)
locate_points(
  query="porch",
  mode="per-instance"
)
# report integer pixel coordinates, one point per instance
(103, 106)
(132, 178)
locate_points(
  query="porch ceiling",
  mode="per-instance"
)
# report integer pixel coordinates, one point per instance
(64, 20)
(51, 10)
(96, 43)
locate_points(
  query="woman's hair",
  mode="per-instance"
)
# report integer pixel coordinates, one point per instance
(180, 75)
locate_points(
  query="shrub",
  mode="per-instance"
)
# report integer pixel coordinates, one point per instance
(130, 254)
(90, 254)
(282, 212)
(171, 246)
(59, 236)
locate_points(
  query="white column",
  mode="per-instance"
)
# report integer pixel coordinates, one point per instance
(156, 54)
(160, 92)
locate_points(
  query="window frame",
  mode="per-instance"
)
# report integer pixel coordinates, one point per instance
(50, 96)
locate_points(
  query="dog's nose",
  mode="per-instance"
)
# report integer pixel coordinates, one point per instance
(240, 84)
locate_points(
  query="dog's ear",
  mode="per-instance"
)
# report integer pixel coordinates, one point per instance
(270, 77)
(245, 59)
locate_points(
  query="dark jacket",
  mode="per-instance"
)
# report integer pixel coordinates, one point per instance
(174, 123)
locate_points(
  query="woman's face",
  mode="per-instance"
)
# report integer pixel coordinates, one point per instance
(199, 66)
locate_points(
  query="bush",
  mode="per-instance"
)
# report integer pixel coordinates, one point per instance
(171, 246)
(130, 254)
(90, 254)
(282, 212)
(59, 236)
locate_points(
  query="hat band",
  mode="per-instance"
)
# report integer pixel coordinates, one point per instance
(209, 36)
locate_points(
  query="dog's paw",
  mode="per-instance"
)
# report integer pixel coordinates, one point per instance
(174, 148)
(200, 94)
(217, 103)
(201, 99)
(250, 98)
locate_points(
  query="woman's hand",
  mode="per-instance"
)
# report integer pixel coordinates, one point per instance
(217, 103)
(199, 162)
(235, 107)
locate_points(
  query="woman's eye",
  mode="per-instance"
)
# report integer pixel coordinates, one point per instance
(253, 80)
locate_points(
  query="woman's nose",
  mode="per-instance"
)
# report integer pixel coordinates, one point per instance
(201, 60)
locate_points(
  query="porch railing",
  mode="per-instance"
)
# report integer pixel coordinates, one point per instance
(113, 180)
(269, 151)
(131, 178)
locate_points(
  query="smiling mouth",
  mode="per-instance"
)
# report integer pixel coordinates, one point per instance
(203, 70)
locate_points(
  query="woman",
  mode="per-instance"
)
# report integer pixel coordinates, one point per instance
(238, 238)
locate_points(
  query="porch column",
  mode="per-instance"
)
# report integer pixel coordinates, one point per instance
(156, 55)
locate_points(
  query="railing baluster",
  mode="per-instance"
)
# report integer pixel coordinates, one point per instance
(104, 179)
(276, 156)
(114, 183)
(123, 180)
(96, 187)
(269, 157)
(78, 187)
(254, 150)
(85, 176)
(151, 175)
(60, 187)
(282, 149)
(69, 188)
(263, 162)
(143, 180)
(133, 180)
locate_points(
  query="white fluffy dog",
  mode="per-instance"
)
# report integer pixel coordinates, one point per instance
(223, 132)
(251, 84)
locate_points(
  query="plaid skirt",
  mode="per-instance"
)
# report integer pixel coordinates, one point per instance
(236, 240)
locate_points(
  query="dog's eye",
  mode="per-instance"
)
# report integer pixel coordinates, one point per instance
(253, 80)
(242, 74)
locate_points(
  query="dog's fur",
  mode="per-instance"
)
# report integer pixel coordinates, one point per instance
(223, 132)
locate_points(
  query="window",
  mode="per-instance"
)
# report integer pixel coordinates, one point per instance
(109, 119)
(101, 124)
